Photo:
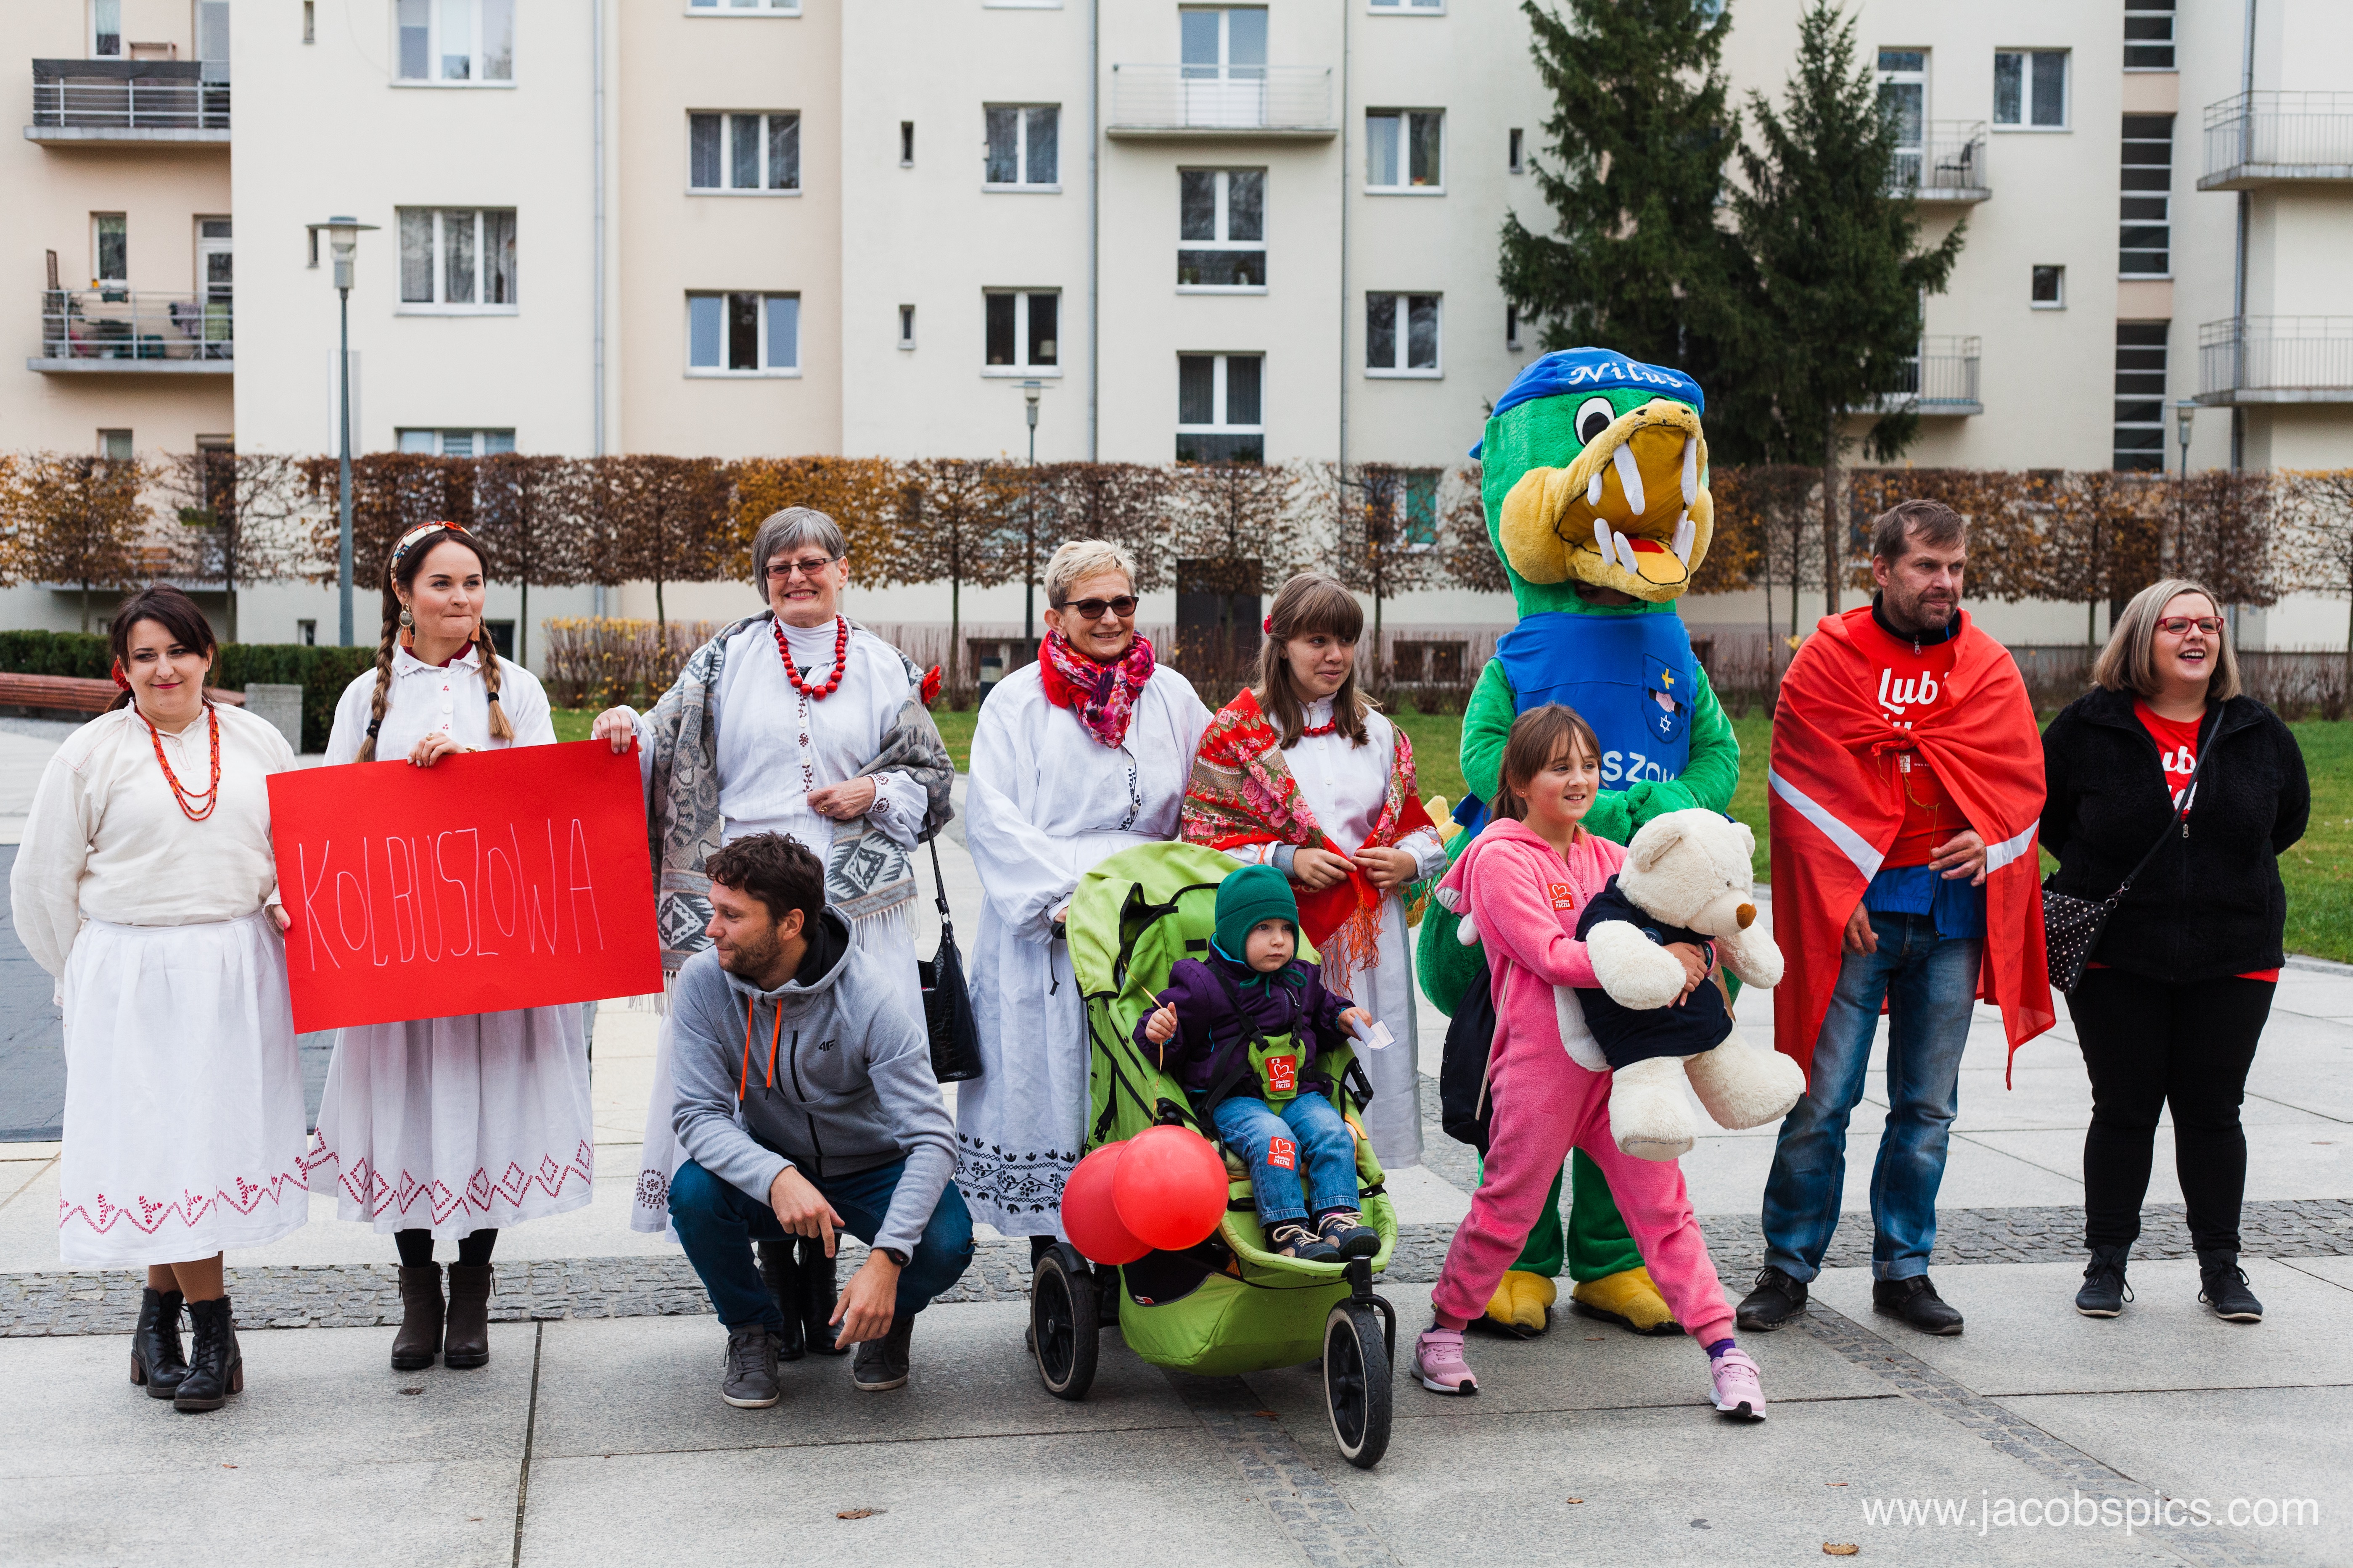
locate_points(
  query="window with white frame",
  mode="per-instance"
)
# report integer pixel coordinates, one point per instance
(456, 442)
(106, 29)
(2046, 288)
(1903, 99)
(1222, 43)
(458, 260)
(2148, 35)
(456, 40)
(1512, 328)
(2145, 235)
(1402, 334)
(1221, 408)
(1221, 228)
(2030, 89)
(110, 248)
(1024, 146)
(750, 152)
(906, 326)
(741, 7)
(1402, 6)
(1404, 148)
(1515, 156)
(743, 334)
(1020, 328)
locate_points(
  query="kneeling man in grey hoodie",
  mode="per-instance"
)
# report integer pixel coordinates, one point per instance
(806, 1106)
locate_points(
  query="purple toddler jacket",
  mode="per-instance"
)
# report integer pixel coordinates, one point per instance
(1209, 1032)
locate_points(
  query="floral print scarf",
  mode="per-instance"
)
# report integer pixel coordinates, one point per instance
(1102, 697)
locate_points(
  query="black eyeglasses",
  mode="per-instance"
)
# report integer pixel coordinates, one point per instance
(1092, 609)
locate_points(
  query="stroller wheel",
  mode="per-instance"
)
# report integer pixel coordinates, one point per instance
(1356, 1382)
(1063, 1321)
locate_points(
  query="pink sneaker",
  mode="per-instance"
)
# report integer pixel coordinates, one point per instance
(1437, 1361)
(1739, 1387)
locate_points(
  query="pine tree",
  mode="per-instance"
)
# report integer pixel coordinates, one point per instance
(1634, 172)
(1839, 271)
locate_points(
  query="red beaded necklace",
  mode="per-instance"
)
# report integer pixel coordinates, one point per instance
(181, 794)
(1329, 726)
(841, 649)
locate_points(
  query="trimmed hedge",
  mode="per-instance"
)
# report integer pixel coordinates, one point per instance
(320, 672)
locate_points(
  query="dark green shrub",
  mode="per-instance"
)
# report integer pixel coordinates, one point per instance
(320, 672)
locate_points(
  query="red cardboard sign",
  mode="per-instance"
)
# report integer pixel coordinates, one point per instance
(491, 880)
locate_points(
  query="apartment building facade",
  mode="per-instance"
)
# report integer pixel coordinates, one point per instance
(740, 227)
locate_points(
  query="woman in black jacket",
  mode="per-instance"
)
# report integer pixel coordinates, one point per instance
(2181, 981)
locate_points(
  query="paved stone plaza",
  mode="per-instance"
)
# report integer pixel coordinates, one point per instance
(595, 1434)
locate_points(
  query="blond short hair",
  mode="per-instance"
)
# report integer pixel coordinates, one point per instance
(2129, 661)
(1076, 560)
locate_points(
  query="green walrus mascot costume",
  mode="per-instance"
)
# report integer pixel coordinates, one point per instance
(1595, 485)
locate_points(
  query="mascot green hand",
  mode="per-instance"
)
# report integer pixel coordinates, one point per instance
(1595, 485)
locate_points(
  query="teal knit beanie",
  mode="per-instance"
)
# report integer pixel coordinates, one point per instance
(1246, 896)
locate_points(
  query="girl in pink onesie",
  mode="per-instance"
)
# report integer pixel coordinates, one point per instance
(1520, 887)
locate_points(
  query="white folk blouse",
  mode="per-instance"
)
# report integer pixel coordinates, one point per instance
(448, 697)
(106, 840)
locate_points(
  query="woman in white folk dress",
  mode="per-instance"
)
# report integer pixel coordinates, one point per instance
(1075, 758)
(1350, 832)
(796, 721)
(146, 885)
(456, 1127)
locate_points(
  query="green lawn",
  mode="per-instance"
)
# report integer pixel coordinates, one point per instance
(2319, 871)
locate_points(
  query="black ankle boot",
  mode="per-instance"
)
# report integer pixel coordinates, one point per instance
(156, 1362)
(216, 1367)
(817, 1298)
(422, 1314)
(2105, 1292)
(2222, 1285)
(781, 1272)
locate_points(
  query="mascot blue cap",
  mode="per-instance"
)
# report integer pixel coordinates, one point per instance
(1569, 370)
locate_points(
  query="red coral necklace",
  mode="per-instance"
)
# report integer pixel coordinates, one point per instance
(181, 794)
(841, 651)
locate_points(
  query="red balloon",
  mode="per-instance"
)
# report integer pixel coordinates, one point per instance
(1170, 1189)
(1089, 1218)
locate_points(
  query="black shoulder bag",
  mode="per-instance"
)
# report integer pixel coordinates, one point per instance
(947, 1005)
(2071, 926)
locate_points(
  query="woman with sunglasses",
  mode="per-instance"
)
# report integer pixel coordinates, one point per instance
(796, 721)
(1076, 757)
(2178, 986)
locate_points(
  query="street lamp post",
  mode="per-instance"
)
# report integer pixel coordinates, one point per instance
(2184, 410)
(343, 239)
(1029, 391)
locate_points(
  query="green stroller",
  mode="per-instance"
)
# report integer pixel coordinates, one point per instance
(1227, 1306)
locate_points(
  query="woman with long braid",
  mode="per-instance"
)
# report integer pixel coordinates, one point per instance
(449, 1126)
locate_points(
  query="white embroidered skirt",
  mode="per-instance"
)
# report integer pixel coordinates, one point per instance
(887, 934)
(454, 1125)
(183, 1094)
(1385, 990)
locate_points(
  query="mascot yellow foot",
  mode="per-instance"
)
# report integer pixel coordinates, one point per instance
(1520, 1303)
(1628, 1300)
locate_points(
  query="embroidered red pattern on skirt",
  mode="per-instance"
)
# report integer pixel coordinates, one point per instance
(376, 1193)
(147, 1216)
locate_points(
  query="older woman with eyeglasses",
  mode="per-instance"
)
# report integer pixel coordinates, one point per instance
(2178, 986)
(797, 720)
(1076, 757)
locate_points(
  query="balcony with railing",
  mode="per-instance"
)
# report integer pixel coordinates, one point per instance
(1214, 102)
(2278, 138)
(2275, 359)
(112, 330)
(1946, 165)
(101, 102)
(1939, 381)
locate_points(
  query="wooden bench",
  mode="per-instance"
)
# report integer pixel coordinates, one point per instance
(73, 694)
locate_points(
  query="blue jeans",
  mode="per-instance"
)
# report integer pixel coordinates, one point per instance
(718, 1223)
(1928, 983)
(1313, 1137)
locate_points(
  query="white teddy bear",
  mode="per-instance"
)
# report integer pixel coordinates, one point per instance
(1687, 878)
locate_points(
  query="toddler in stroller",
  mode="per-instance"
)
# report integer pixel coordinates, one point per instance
(1238, 1030)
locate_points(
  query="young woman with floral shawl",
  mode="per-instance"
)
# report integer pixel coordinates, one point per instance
(1304, 774)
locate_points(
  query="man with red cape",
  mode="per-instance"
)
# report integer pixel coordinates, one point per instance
(1906, 783)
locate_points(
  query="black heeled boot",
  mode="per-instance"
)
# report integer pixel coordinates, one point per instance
(818, 1293)
(216, 1367)
(422, 1311)
(782, 1274)
(157, 1364)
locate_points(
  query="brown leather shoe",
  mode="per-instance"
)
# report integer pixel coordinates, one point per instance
(420, 1339)
(466, 1341)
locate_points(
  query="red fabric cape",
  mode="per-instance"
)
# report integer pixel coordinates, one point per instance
(1836, 807)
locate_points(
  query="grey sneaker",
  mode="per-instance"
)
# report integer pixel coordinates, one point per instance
(751, 1380)
(881, 1364)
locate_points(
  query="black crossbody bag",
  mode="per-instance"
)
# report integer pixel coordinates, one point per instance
(947, 1005)
(2071, 926)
